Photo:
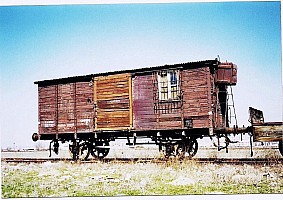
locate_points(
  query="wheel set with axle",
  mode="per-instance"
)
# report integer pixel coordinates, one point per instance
(82, 150)
(100, 148)
(179, 149)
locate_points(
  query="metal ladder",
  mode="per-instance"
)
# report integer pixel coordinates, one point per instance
(231, 117)
(231, 111)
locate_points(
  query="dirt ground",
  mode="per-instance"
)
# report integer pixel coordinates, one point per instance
(152, 152)
(67, 179)
(129, 179)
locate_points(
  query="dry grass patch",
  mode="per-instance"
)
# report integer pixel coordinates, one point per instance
(112, 179)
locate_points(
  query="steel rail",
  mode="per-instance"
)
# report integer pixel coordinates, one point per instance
(150, 160)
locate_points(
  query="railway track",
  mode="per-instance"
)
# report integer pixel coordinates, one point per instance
(150, 160)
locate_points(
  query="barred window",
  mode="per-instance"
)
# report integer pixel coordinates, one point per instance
(168, 85)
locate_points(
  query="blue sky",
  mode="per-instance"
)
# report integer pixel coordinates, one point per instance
(46, 42)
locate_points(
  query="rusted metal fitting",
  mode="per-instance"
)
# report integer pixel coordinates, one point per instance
(35, 137)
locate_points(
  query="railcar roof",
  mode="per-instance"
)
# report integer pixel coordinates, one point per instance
(188, 65)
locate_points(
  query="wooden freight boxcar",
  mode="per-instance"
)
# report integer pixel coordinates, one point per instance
(172, 104)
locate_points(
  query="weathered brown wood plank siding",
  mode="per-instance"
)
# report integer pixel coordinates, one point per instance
(168, 112)
(196, 88)
(267, 132)
(84, 107)
(144, 117)
(195, 101)
(226, 73)
(66, 108)
(112, 102)
(47, 104)
(130, 100)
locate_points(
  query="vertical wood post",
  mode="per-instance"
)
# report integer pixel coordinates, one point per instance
(95, 104)
(130, 102)
(56, 108)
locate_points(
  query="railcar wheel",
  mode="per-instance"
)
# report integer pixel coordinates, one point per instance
(281, 147)
(177, 150)
(164, 151)
(192, 148)
(80, 152)
(100, 149)
(84, 151)
(181, 150)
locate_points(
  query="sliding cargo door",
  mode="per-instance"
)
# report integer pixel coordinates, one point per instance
(112, 97)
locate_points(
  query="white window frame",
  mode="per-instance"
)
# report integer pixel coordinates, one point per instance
(169, 86)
